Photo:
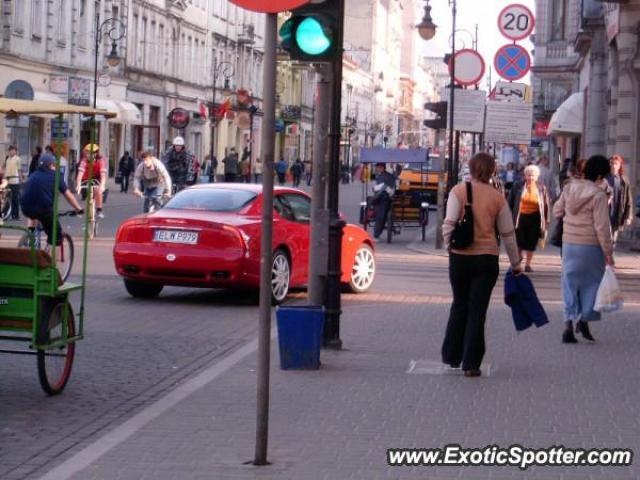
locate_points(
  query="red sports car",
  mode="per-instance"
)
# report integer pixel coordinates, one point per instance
(209, 236)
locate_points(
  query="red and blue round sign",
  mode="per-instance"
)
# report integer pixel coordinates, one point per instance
(512, 62)
(273, 6)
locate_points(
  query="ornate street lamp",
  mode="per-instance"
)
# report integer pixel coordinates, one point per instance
(426, 28)
(226, 70)
(115, 30)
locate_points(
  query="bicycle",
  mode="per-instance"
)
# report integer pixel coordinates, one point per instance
(65, 255)
(93, 222)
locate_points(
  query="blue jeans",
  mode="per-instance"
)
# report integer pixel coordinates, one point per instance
(152, 197)
(582, 271)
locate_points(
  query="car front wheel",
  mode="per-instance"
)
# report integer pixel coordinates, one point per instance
(363, 271)
(141, 289)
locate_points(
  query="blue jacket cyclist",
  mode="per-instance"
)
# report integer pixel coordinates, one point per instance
(37, 196)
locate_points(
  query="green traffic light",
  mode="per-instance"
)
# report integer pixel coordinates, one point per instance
(311, 37)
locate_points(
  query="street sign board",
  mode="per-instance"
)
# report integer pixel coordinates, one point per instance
(511, 92)
(273, 6)
(508, 122)
(469, 109)
(469, 66)
(512, 62)
(516, 22)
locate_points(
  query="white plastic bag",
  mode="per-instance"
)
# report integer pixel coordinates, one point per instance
(609, 297)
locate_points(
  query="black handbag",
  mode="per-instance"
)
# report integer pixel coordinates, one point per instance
(556, 235)
(462, 235)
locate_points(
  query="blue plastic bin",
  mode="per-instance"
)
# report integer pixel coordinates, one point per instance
(300, 336)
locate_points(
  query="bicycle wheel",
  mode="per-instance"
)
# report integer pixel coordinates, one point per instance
(64, 257)
(5, 213)
(54, 365)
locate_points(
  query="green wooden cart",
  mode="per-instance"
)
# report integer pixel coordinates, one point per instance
(36, 306)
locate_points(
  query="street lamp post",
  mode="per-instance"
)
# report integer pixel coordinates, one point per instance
(226, 70)
(115, 30)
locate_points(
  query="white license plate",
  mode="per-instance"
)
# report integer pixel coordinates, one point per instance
(175, 236)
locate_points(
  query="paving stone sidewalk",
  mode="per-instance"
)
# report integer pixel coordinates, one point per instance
(337, 423)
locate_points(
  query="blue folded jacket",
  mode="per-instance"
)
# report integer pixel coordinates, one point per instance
(520, 295)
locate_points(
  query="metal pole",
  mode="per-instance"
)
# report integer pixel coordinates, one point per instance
(442, 186)
(250, 146)
(333, 307)
(319, 214)
(266, 255)
(212, 116)
(451, 174)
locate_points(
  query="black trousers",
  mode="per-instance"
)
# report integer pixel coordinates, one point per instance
(15, 201)
(124, 186)
(472, 280)
(381, 207)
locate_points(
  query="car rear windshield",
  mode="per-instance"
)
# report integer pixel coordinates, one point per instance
(221, 200)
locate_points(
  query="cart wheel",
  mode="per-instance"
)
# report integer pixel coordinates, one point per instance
(142, 290)
(390, 225)
(54, 365)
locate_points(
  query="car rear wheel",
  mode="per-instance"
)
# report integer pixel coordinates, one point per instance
(364, 270)
(141, 289)
(280, 277)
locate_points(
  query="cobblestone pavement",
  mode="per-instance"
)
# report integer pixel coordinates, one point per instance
(335, 423)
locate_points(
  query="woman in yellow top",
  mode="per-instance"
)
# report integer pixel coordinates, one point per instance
(529, 202)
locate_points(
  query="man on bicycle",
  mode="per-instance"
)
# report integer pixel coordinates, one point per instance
(181, 164)
(37, 196)
(98, 175)
(151, 180)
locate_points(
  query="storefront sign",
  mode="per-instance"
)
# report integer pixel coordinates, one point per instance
(79, 91)
(59, 129)
(541, 127)
(179, 118)
(508, 122)
(59, 84)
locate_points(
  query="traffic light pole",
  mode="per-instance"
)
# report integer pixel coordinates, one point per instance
(336, 225)
(266, 256)
(319, 214)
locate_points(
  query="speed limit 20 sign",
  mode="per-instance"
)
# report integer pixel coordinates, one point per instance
(516, 22)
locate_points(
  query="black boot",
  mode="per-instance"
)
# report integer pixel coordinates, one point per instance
(567, 335)
(583, 329)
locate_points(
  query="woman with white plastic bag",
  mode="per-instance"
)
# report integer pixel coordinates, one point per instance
(586, 246)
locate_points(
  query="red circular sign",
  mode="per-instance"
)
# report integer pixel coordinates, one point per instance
(516, 21)
(272, 6)
(179, 118)
(469, 67)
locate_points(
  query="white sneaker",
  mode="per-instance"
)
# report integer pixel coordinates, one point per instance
(100, 215)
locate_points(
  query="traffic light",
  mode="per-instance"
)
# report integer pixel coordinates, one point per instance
(440, 109)
(312, 32)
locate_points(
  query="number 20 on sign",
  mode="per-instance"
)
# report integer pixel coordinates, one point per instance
(516, 22)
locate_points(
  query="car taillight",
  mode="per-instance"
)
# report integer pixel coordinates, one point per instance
(242, 236)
